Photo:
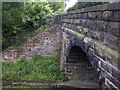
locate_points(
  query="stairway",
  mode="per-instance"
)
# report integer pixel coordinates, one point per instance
(79, 70)
(80, 76)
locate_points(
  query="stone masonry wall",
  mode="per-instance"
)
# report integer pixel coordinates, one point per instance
(98, 27)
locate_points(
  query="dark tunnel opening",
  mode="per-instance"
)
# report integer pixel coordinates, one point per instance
(78, 65)
(77, 55)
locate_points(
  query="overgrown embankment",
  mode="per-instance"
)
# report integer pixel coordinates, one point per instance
(37, 69)
(40, 61)
(44, 41)
(34, 52)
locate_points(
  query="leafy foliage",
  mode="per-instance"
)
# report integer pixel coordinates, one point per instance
(36, 69)
(57, 7)
(80, 5)
(36, 13)
(19, 18)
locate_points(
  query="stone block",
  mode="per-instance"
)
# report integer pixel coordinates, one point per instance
(111, 41)
(92, 15)
(119, 62)
(76, 21)
(90, 34)
(111, 59)
(104, 66)
(113, 28)
(83, 30)
(116, 74)
(85, 15)
(91, 24)
(66, 20)
(99, 51)
(72, 21)
(79, 28)
(99, 15)
(86, 30)
(114, 81)
(101, 25)
(80, 15)
(74, 16)
(110, 85)
(107, 15)
(70, 16)
(115, 16)
(83, 23)
(96, 35)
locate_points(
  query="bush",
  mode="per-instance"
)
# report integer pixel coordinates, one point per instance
(19, 18)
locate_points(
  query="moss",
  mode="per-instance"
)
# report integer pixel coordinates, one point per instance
(110, 52)
(77, 21)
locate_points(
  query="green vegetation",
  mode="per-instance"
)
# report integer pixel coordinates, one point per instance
(38, 68)
(19, 18)
(80, 5)
(60, 87)
(22, 38)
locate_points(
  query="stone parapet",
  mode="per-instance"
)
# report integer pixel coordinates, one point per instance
(97, 28)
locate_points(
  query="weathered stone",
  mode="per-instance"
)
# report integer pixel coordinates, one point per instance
(86, 30)
(104, 66)
(107, 15)
(110, 85)
(98, 35)
(80, 15)
(74, 16)
(92, 15)
(83, 23)
(111, 41)
(66, 20)
(115, 17)
(100, 52)
(101, 26)
(116, 73)
(113, 28)
(99, 15)
(76, 21)
(85, 15)
(114, 81)
(112, 60)
(91, 24)
(83, 30)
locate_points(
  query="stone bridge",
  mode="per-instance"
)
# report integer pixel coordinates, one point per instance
(92, 33)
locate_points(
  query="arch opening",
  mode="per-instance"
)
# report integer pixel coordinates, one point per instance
(77, 55)
(78, 65)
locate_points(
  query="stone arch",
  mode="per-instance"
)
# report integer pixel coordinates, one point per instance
(78, 65)
(76, 55)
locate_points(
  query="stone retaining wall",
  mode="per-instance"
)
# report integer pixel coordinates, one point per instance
(97, 31)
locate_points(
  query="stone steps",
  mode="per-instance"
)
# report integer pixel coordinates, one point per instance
(79, 73)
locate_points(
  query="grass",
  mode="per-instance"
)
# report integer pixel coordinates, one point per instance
(37, 88)
(38, 68)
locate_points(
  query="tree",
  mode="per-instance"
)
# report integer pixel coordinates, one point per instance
(57, 7)
(80, 5)
(19, 17)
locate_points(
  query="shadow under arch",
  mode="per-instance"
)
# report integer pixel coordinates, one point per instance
(78, 65)
(77, 55)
